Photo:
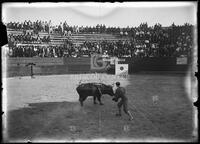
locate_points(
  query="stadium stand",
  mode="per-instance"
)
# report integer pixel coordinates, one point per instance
(42, 39)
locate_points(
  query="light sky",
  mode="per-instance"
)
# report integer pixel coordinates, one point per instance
(91, 14)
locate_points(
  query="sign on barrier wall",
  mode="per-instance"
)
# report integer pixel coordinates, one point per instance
(181, 60)
(97, 62)
(121, 69)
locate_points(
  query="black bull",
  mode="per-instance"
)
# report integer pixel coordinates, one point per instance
(93, 89)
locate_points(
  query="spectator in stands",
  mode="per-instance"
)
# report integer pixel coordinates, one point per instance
(145, 41)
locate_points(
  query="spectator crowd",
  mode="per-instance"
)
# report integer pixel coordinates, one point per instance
(144, 41)
(28, 38)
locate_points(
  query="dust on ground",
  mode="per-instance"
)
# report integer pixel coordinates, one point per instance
(47, 108)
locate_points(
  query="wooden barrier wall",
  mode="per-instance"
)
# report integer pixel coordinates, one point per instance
(47, 66)
(156, 64)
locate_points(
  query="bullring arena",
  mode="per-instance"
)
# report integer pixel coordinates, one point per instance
(41, 104)
(52, 111)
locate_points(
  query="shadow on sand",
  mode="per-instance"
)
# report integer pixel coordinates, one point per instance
(54, 120)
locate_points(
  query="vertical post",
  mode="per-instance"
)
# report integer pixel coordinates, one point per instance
(31, 71)
(19, 70)
(31, 64)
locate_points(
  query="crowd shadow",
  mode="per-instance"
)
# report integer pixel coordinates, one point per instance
(50, 119)
(26, 123)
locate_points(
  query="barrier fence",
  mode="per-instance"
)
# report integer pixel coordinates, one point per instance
(47, 66)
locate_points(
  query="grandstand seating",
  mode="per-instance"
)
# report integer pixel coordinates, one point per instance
(42, 34)
(14, 32)
(142, 41)
(80, 38)
(77, 39)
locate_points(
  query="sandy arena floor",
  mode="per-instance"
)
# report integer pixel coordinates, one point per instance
(47, 108)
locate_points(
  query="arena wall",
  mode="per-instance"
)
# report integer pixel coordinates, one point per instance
(48, 66)
(153, 64)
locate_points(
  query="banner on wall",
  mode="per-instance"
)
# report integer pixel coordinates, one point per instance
(121, 69)
(181, 60)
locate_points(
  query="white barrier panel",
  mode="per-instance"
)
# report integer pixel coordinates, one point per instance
(181, 60)
(121, 69)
